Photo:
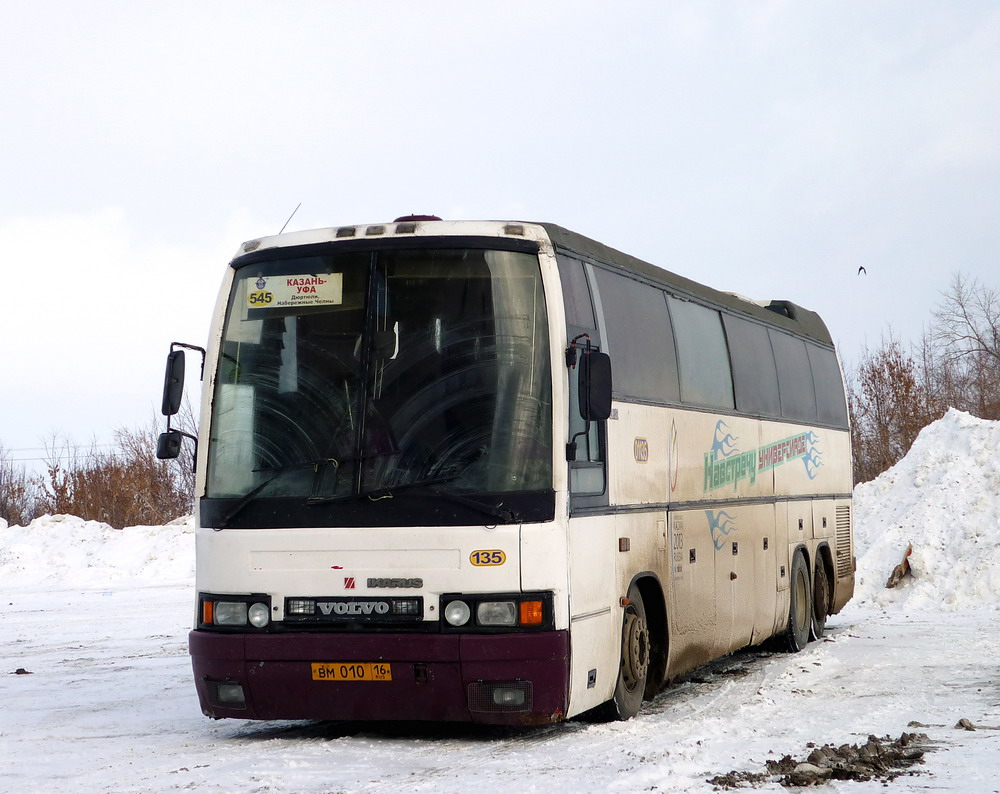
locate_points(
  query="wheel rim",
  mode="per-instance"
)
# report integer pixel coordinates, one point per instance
(821, 600)
(801, 601)
(635, 650)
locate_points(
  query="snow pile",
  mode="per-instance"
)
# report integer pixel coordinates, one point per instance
(67, 552)
(944, 499)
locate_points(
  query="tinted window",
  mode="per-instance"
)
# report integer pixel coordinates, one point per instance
(830, 404)
(702, 355)
(576, 294)
(755, 378)
(798, 399)
(640, 340)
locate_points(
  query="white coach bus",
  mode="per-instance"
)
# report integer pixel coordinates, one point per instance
(499, 472)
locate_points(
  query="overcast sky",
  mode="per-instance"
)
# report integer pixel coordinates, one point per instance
(765, 148)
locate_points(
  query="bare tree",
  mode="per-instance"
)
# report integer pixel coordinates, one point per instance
(966, 329)
(889, 407)
(18, 492)
(124, 486)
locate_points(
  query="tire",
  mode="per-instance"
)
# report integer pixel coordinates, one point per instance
(821, 601)
(800, 609)
(633, 668)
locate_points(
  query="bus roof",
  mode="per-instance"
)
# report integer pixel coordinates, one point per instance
(781, 313)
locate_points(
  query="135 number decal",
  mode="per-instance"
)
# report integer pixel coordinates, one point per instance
(487, 557)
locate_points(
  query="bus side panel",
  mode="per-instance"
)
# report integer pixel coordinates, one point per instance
(638, 451)
(799, 527)
(743, 540)
(765, 567)
(717, 458)
(545, 564)
(807, 460)
(782, 562)
(732, 532)
(595, 616)
(692, 593)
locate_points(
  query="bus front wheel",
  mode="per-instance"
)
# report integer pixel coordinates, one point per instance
(634, 665)
(800, 611)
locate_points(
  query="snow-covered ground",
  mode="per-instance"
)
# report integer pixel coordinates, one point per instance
(96, 692)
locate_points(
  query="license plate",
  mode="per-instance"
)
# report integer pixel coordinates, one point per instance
(351, 671)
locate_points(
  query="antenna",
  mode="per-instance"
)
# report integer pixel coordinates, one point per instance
(291, 216)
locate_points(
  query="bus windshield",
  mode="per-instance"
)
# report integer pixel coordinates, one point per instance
(345, 375)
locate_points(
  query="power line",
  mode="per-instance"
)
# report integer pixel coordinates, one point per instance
(42, 449)
(89, 455)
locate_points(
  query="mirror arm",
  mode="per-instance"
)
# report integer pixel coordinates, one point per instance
(172, 394)
(186, 435)
(571, 446)
(175, 432)
(571, 354)
(192, 347)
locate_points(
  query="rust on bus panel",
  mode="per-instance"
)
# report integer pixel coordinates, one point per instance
(530, 718)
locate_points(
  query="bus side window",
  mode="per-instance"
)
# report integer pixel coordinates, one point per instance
(586, 471)
(798, 395)
(576, 294)
(640, 338)
(702, 355)
(831, 405)
(755, 376)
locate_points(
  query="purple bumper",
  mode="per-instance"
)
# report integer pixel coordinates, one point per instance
(508, 679)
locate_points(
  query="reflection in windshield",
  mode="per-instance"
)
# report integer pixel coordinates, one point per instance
(390, 368)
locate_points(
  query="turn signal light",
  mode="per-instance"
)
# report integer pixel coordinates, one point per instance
(531, 613)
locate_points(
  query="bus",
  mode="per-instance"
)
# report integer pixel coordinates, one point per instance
(498, 472)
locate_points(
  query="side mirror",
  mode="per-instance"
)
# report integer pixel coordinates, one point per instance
(168, 445)
(595, 386)
(173, 384)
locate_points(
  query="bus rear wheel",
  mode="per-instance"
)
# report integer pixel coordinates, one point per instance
(821, 601)
(800, 609)
(634, 665)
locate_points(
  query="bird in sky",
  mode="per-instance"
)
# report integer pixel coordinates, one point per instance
(862, 270)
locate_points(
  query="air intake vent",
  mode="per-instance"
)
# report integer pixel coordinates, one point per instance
(784, 308)
(844, 563)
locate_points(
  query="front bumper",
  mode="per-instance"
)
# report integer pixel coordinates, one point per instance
(450, 677)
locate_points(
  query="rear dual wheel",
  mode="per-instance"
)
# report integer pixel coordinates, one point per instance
(821, 601)
(800, 607)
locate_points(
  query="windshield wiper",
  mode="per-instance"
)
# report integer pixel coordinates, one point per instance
(275, 473)
(496, 511)
(385, 492)
(376, 494)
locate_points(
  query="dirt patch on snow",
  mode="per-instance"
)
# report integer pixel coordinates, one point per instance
(882, 759)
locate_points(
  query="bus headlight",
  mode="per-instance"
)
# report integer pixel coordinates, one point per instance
(234, 612)
(496, 613)
(457, 613)
(230, 613)
(259, 615)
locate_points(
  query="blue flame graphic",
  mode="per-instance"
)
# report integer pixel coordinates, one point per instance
(724, 443)
(720, 524)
